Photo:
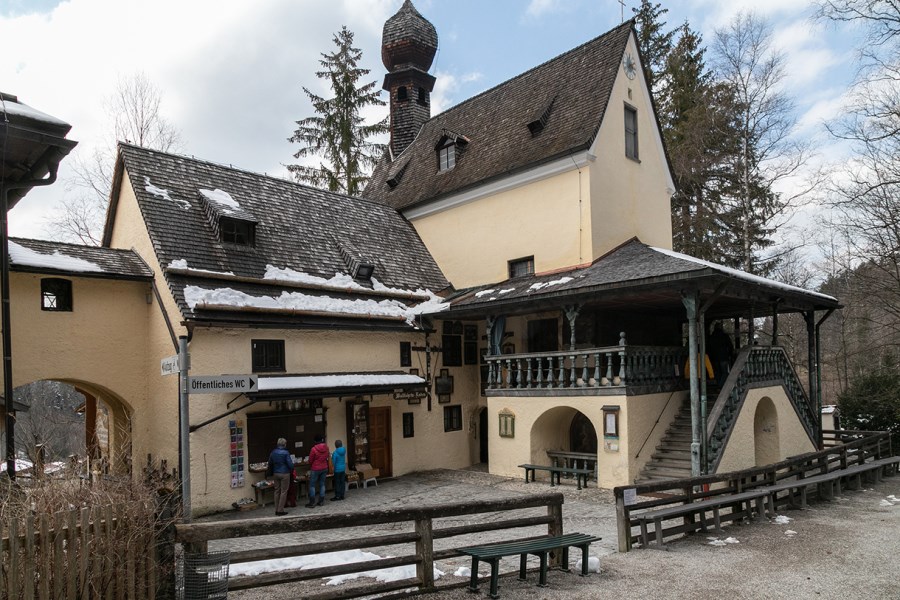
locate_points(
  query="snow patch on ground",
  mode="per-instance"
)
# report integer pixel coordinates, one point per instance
(717, 542)
(886, 503)
(593, 565)
(463, 572)
(790, 532)
(782, 520)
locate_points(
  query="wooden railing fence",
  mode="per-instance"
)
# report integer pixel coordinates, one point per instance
(421, 536)
(103, 552)
(853, 448)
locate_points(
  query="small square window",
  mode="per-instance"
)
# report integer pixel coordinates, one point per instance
(521, 267)
(405, 354)
(236, 232)
(408, 425)
(268, 356)
(56, 295)
(453, 418)
(631, 133)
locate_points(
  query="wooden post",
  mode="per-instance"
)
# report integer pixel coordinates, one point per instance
(555, 528)
(622, 523)
(425, 553)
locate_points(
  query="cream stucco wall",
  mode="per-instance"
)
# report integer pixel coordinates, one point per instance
(155, 429)
(629, 197)
(542, 424)
(740, 451)
(547, 219)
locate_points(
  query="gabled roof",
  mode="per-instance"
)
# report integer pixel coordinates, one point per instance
(302, 236)
(567, 94)
(41, 256)
(636, 276)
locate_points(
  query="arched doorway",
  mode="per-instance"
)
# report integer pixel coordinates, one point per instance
(582, 435)
(74, 422)
(765, 433)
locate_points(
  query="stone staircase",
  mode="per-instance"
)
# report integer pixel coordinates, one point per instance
(672, 457)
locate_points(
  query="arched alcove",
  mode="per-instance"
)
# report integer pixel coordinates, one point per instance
(765, 433)
(562, 428)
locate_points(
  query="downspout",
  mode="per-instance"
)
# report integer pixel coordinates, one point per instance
(819, 379)
(4, 312)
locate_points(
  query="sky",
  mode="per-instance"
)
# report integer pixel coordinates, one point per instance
(231, 72)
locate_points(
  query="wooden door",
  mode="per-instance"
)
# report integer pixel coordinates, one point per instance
(380, 439)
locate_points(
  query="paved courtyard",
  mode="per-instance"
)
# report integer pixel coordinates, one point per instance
(849, 548)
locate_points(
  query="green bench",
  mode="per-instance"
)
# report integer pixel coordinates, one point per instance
(555, 472)
(539, 547)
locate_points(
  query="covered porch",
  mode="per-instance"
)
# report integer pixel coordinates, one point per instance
(623, 338)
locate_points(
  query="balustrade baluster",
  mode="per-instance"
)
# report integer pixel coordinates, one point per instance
(622, 367)
(508, 374)
(562, 371)
(550, 371)
(574, 367)
(519, 382)
(492, 365)
(528, 375)
(597, 369)
(609, 368)
(584, 370)
(540, 372)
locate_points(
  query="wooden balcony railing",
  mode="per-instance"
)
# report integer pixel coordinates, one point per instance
(619, 367)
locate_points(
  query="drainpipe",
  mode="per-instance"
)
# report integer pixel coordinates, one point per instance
(690, 303)
(819, 379)
(4, 311)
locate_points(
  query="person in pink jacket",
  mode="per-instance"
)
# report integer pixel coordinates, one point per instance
(318, 469)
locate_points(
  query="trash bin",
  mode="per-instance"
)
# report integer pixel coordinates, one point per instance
(203, 576)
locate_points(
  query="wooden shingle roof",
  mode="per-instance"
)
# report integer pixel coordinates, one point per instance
(569, 94)
(297, 228)
(42, 256)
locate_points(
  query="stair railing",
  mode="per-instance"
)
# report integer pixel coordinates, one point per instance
(755, 367)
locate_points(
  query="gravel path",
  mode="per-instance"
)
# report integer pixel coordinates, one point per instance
(847, 549)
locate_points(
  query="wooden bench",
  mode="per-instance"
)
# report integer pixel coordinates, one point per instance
(799, 486)
(556, 472)
(765, 495)
(539, 547)
(760, 496)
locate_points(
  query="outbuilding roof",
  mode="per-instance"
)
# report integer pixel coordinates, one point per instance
(305, 243)
(42, 256)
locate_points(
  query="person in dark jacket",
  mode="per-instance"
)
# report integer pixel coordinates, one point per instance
(318, 470)
(281, 464)
(721, 350)
(339, 460)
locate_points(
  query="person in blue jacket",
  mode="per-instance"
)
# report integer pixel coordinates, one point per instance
(339, 460)
(281, 466)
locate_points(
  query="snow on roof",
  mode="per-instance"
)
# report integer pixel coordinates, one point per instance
(340, 281)
(742, 274)
(539, 285)
(306, 382)
(182, 264)
(298, 301)
(484, 293)
(164, 194)
(19, 255)
(23, 110)
(829, 409)
(222, 199)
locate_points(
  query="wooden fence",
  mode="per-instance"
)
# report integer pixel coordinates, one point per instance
(422, 536)
(106, 553)
(843, 449)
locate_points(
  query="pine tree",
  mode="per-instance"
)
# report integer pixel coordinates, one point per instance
(654, 43)
(338, 132)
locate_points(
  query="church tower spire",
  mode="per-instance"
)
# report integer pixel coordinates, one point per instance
(408, 45)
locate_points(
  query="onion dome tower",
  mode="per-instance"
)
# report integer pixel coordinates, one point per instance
(408, 45)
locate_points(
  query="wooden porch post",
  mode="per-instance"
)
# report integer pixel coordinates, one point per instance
(90, 425)
(810, 318)
(690, 304)
(571, 313)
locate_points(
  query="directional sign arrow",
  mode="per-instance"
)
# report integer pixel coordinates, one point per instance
(222, 384)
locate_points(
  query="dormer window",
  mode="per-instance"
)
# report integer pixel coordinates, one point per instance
(363, 272)
(449, 147)
(401, 93)
(447, 157)
(235, 231)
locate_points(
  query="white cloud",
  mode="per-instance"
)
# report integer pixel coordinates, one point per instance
(539, 8)
(450, 89)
